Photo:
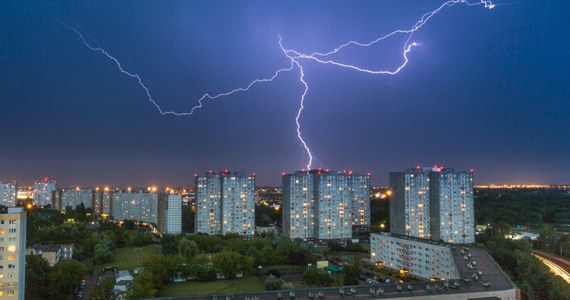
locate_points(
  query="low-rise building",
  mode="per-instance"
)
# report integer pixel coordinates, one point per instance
(52, 254)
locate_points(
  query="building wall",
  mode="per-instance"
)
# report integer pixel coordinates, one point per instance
(137, 205)
(170, 213)
(410, 205)
(298, 206)
(452, 210)
(8, 193)
(421, 258)
(76, 197)
(13, 253)
(43, 191)
(333, 206)
(102, 201)
(208, 217)
(238, 204)
(360, 185)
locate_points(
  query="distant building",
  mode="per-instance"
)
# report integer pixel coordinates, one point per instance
(102, 201)
(225, 203)
(43, 191)
(135, 205)
(170, 214)
(73, 198)
(66, 251)
(325, 205)
(52, 254)
(8, 193)
(13, 253)
(433, 203)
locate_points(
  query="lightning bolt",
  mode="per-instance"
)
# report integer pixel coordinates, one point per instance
(295, 59)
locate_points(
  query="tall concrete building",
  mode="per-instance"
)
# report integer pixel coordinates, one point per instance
(298, 205)
(452, 209)
(73, 198)
(323, 205)
(102, 201)
(433, 203)
(13, 253)
(8, 193)
(44, 191)
(238, 203)
(170, 213)
(225, 203)
(208, 217)
(135, 205)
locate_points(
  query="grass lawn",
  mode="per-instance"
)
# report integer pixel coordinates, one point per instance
(247, 284)
(129, 258)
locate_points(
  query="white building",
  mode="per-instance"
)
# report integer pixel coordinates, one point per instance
(433, 203)
(322, 204)
(419, 258)
(225, 203)
(170, 214)
(8, 193)
(452, 209)
(238, 203)
(13, 253)
(102, 201)
(73, 198)
(43, 191)
(298, 205)
(208, 217)
(135, 205)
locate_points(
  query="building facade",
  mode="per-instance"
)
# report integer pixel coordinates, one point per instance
(170, 214)
(419, 258)
(73, 198)
(135, 205)
(298, 205)
(238, 203)
(225, 203)
(13, 253)
(8, 193)
(325, 205)
(44, 192)
(452, 210)
(208, 217)
(433, 203)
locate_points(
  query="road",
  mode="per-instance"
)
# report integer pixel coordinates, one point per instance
(558, 266)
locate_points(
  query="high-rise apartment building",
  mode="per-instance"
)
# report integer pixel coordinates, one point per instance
(323, 205)
(170, 213)
(225, 203)
(44, 191)
(8, 193)
(433, 203)
(208, 217)
(452, 209)
(102, 201)
(298, 205)
(13, 253)
(135, 205)
(73, 198)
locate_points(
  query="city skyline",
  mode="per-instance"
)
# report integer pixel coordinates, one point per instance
(490, 97)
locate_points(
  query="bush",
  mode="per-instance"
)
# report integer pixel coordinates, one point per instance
(273, 283)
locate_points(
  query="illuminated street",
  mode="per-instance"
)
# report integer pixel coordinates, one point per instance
(554, 268)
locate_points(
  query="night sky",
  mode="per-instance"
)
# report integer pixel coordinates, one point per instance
(486, 89)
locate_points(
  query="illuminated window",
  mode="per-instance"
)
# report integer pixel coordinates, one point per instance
(12, 248)
(11, 257)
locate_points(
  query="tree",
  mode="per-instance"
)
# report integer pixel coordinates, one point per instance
(187, 248)
(37, 277)
(228, 263)
(65, 279)
(104, 290)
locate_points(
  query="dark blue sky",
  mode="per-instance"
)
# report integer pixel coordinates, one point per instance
(487, 89)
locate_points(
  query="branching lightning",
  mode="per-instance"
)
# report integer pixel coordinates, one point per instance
(296, 58)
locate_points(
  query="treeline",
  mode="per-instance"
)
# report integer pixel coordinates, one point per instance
(522, 207)
(204, 257)
(529, 274)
